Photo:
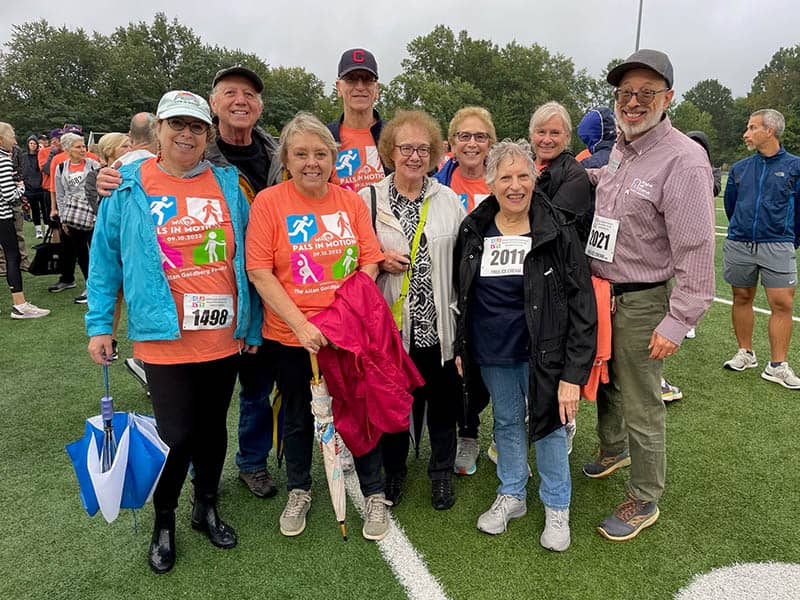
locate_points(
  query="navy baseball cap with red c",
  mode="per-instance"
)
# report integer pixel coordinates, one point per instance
(357, 59)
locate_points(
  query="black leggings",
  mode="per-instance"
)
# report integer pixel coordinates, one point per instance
(8, 241)
(190, 402)
(74, 248)
(40, 206)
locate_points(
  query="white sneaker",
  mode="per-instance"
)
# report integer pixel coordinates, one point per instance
(782, 374)
(743, 359)
(556, 530)
(691, 334)
(293, 517)
(503, 509)
(39, 232)
(28, 311)
(571, 429)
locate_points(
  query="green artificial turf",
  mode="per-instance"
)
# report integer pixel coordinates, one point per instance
(731, 493)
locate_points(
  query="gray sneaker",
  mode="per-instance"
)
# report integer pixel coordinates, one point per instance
(743, 359)
(60, 286)
(503, 509)
(782, 374)
(293, 517)
(28, 311)
(556, 530)
(467, 450)
(628, 520)
(606, 463)
(376, 519)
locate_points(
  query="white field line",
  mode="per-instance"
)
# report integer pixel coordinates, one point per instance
(407, 565)
(763, 311)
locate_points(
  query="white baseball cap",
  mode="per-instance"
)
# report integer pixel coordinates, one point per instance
(179, 103)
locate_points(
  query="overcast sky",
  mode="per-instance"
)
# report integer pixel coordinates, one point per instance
(729, 40)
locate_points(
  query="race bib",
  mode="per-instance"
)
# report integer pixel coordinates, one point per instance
(504, 255)
(602, 239)
(207, 311)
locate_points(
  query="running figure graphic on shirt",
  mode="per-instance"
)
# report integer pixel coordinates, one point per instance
(157, 209)
(300, 226)
(344, 163)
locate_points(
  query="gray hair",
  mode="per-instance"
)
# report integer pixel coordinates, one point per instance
(214, 93)
(305, 122)
(142, 129)
(547, 111)
(771, 119)
(508, 149)
(68, 139)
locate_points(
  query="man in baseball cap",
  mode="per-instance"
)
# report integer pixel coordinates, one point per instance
(654, 222)
(358, 129)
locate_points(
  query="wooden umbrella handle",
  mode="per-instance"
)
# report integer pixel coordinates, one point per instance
(315, 368)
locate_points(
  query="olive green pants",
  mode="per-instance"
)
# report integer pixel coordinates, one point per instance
(630, 411)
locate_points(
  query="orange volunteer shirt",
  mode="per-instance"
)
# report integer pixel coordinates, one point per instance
(196, 241)
(471, 191)
(358, 163)
(311, 245)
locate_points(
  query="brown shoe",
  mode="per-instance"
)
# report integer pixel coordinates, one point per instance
(260, 483)
(628, 519)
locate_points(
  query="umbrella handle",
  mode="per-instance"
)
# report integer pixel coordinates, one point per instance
(315, 368)
(105, 377)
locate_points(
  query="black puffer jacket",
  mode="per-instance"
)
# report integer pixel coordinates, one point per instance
(559, 305)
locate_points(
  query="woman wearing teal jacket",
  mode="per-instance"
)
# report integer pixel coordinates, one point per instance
(172, 238)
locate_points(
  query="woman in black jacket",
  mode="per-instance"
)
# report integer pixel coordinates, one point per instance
(527, 325)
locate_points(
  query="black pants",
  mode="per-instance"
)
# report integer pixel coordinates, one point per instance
(442, 393)
(292, 366)
(8, 241)
(190, 402)
(40, 206)
(478, 401)
(74, 248)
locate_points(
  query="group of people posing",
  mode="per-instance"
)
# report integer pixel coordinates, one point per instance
(498, 266)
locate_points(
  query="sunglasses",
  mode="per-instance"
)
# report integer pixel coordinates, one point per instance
(196, 127)
(365, 79)
(643, 96)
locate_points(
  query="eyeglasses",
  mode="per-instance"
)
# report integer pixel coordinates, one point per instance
(366, 78)
(465, 136)
(644, 96)
(422, 151)
(196, 127)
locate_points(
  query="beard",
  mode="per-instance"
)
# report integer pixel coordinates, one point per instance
(651, 119)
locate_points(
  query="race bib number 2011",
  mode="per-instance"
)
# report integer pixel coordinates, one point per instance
(207, 311)
(504, 255)
(602, 239)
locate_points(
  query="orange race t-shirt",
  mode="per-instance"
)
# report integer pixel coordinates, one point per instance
(311, 245)
(196, 241)
(358, 163)
(471, 191)
(42, 158)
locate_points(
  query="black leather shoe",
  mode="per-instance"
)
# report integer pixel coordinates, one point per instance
(393, 489)
(442, 495)
(161, 554)
(206, 518)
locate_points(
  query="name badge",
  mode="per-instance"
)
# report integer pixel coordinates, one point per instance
(207, 311)
(602, 239)
(504, 255)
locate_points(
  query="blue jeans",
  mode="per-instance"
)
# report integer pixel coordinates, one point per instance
(508, 387)
(256, 381)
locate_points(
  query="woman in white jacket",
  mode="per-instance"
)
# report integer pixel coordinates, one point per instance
(417, 219)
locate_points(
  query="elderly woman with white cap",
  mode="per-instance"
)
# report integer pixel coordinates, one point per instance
(172, 237)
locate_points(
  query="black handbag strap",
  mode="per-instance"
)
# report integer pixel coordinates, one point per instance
(374, 203)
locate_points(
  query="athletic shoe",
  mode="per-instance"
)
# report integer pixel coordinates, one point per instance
(571, 429)
(492, 454)
(628, 520)
(670, 393)
(743, 359)
(556, 530)
(442, 496)
(467, 450)
(39, 232)
(293, 517)
(606, 463)
(691, 334)
(376, 518)
(783, 375)
(60, 287)
(503, 509)
(136, 368)
(28, 311)
(114, 353)
(81, 299)
(393, 489)
(260, 483)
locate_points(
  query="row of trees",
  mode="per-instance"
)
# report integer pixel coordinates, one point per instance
(50, 76)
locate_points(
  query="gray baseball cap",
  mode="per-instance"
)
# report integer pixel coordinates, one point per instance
(643, 59)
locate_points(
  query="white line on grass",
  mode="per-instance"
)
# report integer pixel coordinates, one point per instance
(763, 311)
(407, 565)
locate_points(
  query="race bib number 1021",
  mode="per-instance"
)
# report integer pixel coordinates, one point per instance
(602, 239)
